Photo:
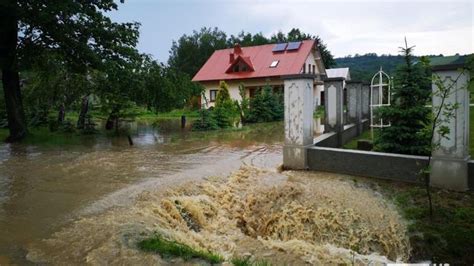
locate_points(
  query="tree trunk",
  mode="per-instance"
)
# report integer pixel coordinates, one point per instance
(61, 114)
(82, 115)
(112, 120)
(9, 66)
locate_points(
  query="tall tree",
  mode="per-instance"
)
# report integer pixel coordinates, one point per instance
(79, 31)
(190, 52)
(407, 114)
(247, 39)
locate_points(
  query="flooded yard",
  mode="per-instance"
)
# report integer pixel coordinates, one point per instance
(43, 187)
(92, 203)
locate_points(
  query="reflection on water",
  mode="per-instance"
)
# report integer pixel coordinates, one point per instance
(43, 187)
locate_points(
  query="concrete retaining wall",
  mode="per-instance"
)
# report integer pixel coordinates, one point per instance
(399, 167)
(349, 132)
(330, 139)
(369, 164)
(326, 140)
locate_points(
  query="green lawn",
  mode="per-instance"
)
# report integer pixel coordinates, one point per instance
(352, 145)
(447, 236)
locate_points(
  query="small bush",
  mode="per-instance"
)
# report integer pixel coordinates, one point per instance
(206, 121)
(266, 106)
(167, 248)
(226, 110)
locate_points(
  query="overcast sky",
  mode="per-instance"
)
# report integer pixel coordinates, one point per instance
(347, 27)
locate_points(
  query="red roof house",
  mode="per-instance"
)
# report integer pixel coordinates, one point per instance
(257, 66)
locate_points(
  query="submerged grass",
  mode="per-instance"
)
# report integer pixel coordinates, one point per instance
(43, 136)
(168, 248)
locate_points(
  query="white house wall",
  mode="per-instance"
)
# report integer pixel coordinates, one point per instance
(233, 87)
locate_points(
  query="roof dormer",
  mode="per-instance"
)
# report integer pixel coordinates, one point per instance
(238, 62)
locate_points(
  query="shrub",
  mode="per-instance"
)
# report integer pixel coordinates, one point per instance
(225, 110)
(266, 106)
(244, 104)
(205, 122)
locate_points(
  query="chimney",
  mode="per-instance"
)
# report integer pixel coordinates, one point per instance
(237, 49)
(231, 58)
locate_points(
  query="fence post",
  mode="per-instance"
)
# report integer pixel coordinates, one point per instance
(333, 89)
(354, 106)
(365, 100)
(299, 105)
(449, 164)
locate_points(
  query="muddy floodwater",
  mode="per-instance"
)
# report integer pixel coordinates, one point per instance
(92, 202)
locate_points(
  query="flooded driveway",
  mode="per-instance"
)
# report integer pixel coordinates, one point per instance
(43, 188)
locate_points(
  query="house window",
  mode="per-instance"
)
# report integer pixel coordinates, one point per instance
(212, 95)
(274, 63)
(304, 68)
(314, 69)
(240, 67)
(236, 68)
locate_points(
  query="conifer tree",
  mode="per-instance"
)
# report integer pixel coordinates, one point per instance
(408, 113)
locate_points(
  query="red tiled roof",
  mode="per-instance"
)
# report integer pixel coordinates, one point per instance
(260, 58)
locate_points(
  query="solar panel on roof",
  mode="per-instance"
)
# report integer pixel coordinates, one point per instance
(279, 47)
(293, 46)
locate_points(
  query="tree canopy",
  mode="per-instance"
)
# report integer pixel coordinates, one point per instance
(78, 32)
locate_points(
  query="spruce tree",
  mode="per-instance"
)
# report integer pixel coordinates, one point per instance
(408, 113)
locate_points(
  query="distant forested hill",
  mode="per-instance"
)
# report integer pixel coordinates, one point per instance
(363, 67)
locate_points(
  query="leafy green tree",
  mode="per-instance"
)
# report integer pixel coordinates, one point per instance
(116, 90)
(266, 106)
(225, 110)
(78, 31)
(247, 39)
(408, 115)
(190, 52)
(166, 88)
(51, 86)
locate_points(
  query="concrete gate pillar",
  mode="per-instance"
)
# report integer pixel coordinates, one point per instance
(333, 89)
(365, 100)
(354, 106)
(298, 119)
(449, 165)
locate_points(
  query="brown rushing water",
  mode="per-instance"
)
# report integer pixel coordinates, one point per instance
(43, 188)
(90, 203)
